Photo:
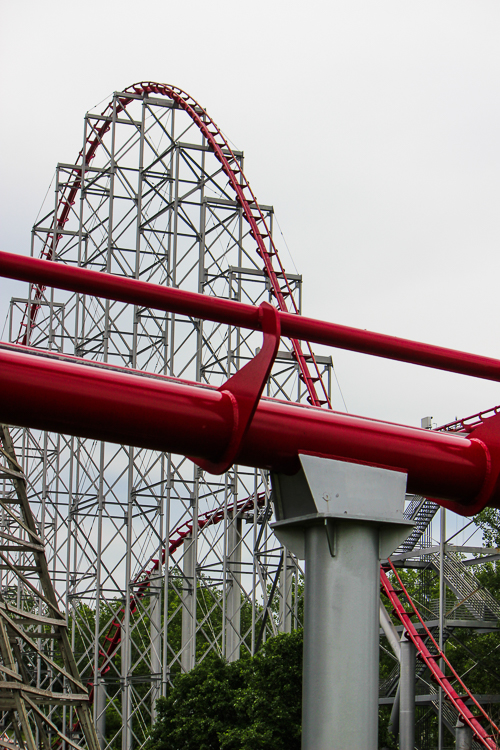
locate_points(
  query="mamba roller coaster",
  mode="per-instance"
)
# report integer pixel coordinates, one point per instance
(158, 373)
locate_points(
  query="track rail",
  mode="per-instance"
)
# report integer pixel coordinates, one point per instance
(273, 267)
(467, 424)
(231, 312)
(431, 661)
(282, 292)
(143, 579)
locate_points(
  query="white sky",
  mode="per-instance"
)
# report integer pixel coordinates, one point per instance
(372, 127)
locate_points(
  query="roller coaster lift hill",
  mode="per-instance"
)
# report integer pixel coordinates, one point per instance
(339, 481)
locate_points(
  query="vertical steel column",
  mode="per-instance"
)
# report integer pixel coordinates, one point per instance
(233, 588)
(342, 518)
(100, 711)
(188, 649)
(165, 671)
(126, 640)
(341, 639)
(407, 696)
(98, 687)
(286, 593)
(155, 589)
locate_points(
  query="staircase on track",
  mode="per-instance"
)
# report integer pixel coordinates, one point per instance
(421, 511)
(471, 595)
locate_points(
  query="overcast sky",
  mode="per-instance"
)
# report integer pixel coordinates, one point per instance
(371, 126)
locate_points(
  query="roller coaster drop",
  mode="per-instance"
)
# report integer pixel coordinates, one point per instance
(169, 204)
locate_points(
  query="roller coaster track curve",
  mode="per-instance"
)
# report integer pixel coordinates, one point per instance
(244, 196)
(281, 291)
(143, 579)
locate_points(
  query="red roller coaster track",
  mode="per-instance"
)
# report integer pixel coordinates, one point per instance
(143, 579)
(451, 467)
(252, 213)
(431, 661)
(260, 232)
(179, 536)
(295, 326)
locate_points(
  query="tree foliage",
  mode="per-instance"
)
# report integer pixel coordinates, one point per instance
(250, 704)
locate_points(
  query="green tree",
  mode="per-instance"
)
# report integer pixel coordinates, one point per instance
(251, 704)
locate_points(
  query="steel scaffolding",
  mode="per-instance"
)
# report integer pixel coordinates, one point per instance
(156, 562)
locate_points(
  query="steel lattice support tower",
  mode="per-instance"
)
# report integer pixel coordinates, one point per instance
(157, 562)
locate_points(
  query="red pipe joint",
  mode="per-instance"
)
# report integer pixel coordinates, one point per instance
(487, 436)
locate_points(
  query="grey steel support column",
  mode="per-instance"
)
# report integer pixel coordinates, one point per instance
(126, 642)
(390, 631)
(286, 584)
(341, 624)
(394, 718)
(463, 736)
(407, 696)
(392, 636)
(233, 596)
(100, 712)
(155, 633)
(188, 604)
(342, 518)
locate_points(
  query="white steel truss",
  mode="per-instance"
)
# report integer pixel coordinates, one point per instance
(156, 562)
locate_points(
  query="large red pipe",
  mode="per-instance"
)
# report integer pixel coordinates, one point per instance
(172, 300)
(110, 403)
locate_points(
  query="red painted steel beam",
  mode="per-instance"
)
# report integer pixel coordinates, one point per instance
(109, 403)
(178, 301)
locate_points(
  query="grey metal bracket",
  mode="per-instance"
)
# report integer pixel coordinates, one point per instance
(331, 492)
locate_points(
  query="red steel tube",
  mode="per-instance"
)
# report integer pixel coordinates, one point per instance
(123, 406)
(74, 279)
